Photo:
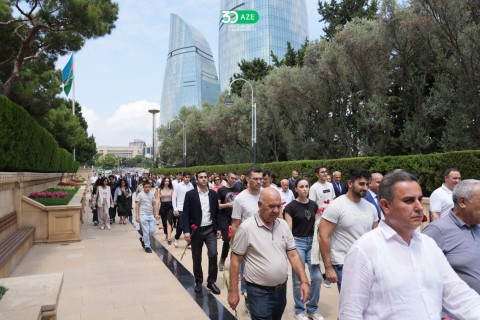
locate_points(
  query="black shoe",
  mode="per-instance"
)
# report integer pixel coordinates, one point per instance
(213, 287)
(141, 241)
(148, 250)
(198, 287)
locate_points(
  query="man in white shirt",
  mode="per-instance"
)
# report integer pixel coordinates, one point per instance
(285, 193)
(441, 202)
(394, 272)
(348, 218)
(178, 198)
(245, 206)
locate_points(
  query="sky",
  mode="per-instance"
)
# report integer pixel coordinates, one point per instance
(119, 77)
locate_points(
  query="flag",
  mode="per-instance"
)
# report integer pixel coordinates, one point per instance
(67, 76)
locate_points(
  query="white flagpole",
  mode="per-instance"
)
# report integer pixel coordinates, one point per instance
(73, 100)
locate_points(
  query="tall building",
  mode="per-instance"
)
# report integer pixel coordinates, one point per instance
(280, 21)
(190, 75)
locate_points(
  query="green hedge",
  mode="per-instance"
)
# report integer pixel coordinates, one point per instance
(429, 167)
(25, 146)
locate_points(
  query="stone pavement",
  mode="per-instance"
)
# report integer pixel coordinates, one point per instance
(108, 276)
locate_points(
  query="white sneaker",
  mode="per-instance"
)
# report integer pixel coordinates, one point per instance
(108, 227)
(327, 284)
(102, 227)
(175, 243)
(301, 316)
(315, 316)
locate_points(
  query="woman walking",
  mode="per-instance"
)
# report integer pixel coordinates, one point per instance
(165, 191)
(300, 216)
(121, 199)
(103, 198)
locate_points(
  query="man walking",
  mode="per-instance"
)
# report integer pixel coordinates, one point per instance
(372, 193)
(178, 199)
(394, 272)
(146, 213)
(339, 187)
(199, 222)
(347, 219)
(226, 196)
(245, 206)
(265, 242)
(457, 234)
(441, 199)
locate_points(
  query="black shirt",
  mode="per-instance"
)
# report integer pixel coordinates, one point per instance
(303, 217)
(227, 195)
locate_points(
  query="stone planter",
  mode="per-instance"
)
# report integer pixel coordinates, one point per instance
(54, 223)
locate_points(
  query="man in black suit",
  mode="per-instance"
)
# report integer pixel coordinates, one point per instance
(338, 186)
(372, 193)
(200, 225)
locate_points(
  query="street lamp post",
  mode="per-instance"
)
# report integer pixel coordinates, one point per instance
(153, 112)
(184, 141)
(229, 101)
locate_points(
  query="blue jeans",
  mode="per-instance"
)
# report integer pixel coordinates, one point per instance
(149, 224)
(339, 270)
(266, 304)
(243, 283)
(304, 249)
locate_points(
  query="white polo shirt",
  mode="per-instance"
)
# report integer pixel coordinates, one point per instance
(441, 200)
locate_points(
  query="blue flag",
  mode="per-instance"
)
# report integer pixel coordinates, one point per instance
(67, 76)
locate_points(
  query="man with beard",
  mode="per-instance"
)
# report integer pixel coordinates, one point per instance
(345, 220)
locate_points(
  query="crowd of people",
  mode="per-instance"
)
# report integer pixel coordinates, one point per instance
(361, 233)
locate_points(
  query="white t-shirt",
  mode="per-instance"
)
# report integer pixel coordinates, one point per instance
(245, 205)
(352, 219)
(322, 194)
(441, 200)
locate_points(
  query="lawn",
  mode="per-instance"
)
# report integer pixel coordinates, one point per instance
(58, 201)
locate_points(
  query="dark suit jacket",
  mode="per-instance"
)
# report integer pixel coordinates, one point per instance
(370, 199)
(338, 193)
(192, 210)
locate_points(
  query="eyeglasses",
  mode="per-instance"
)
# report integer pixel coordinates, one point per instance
(217, 179)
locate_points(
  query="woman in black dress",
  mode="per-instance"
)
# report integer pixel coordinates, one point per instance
(121, 199)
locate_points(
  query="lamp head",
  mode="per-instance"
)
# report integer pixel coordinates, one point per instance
(228, 99)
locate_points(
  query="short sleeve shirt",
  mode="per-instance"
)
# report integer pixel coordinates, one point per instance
(265, 251)
(145, 201)
(303, 217)
(352, 219)
(441, 200)
(245, 205)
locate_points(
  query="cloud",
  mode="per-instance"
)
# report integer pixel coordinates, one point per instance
(128, 122)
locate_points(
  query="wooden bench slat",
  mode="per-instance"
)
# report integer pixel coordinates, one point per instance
(12, 243)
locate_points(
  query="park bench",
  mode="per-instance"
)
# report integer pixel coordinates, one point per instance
(14, 243)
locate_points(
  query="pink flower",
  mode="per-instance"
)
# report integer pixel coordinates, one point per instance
(327, 201)
(194, 226)
(229, 232)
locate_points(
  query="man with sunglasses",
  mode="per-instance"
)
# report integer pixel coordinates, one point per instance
(345, 220)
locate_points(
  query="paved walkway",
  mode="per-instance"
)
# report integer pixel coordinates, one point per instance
(108, 276)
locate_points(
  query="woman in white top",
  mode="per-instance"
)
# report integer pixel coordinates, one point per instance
(103, 198)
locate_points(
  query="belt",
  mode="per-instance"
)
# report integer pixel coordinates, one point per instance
(274, 288)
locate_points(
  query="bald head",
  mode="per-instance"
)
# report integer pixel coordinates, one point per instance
(269, 205)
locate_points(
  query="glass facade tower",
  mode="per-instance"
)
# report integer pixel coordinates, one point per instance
(190, 75)
(280, 21)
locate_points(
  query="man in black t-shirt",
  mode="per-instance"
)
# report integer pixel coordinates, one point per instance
(226, 195)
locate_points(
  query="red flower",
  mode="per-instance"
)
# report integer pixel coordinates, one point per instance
(194, 226)
(320, 210)
(229, 232)
(284, 202)
(327, 201)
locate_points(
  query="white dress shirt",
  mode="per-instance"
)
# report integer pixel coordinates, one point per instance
(178, 196)
(384, 278)
(205, 205)
(286, 197)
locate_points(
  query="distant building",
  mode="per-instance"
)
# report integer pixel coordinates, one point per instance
(190, 75)
(280, 21)
(135, 148)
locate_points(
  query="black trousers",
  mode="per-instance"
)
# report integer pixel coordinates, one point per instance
(200, 236)
(225, 221)
(179, 229)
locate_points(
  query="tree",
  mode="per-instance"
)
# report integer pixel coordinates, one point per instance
(255, 70)
(337, 14)
(48, 28)
(107, 162)
(291, 58)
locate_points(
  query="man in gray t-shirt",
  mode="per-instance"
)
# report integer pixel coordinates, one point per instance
(146, 213)
(458, 232)
(345, 220)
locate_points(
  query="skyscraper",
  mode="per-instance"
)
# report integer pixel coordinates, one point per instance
(190, 75)
(280, 21)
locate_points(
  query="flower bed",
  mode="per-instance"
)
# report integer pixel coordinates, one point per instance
(68, 183)
(55, 196)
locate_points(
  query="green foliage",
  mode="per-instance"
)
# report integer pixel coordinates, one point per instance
(255, 70)
(48, 28)
(58, 201)
(107, 162)
(26, 146)
(428, 167)
(3, 290)
(291, 58)
(337, 14)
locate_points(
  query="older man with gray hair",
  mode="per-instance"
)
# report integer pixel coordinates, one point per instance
(458, 233)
